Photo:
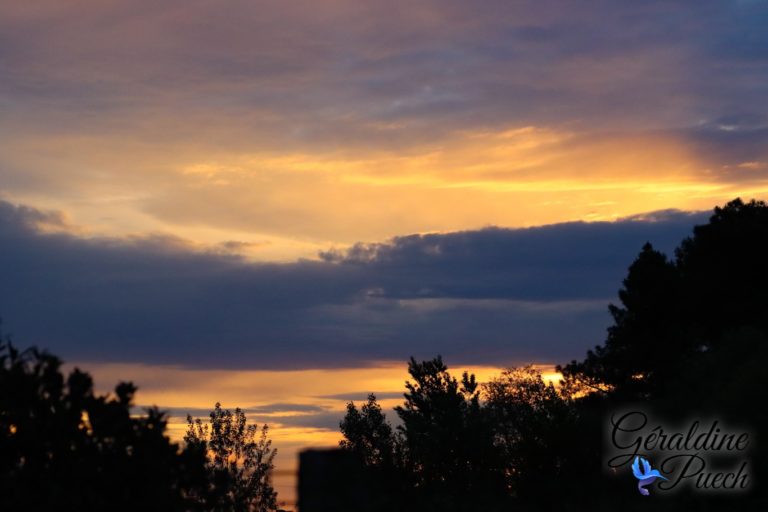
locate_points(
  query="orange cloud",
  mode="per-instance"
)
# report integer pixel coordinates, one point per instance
(279, 204)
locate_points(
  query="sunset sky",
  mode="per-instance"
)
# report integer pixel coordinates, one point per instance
(275, 203)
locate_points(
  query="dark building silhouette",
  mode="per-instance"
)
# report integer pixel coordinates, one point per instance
(330, 480)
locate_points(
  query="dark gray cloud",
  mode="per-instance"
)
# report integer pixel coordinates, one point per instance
(299, 415)
(487, 296)
(362, 396)
(286, 408)
(276, 408)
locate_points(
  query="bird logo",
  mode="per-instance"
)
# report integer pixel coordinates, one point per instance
(647, 476)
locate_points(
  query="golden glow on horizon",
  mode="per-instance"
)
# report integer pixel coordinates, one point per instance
(197, 390)
(280, 204)
(325, 389)
(172, 386)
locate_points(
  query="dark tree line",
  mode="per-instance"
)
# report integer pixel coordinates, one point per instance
(689, 337)
(452, 451)
(63, 447)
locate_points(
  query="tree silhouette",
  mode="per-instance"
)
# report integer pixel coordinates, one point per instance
(240, 462)
(376, 447)
(368, 435)
(443, 451)
(534, 431)
(689, 336)
(449, 448)
(674, 314)
(645, 345)
(724, 269)
(64, 448)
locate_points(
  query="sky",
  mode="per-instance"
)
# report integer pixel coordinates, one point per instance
(267, 189)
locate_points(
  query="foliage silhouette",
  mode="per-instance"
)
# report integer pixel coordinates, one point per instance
(676, 314)
(368, 435)
(645, 345)
(442, 455)
(533, 429)
(448, 445)
(64, 448)
(689, 336)
(240, 462)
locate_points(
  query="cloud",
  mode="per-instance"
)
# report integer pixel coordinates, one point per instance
(276, 410)
(362, 396)
(479, 297)
(298, 415)
(339, 121)
(282, 408)
(436, 62)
